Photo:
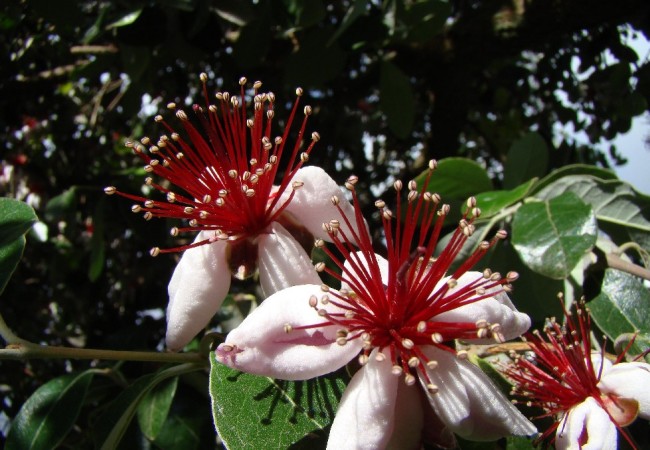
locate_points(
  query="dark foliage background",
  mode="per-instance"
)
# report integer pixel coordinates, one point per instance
(393, 83)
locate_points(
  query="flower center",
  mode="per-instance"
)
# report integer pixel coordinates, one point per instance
(398, 305)
(220, 176)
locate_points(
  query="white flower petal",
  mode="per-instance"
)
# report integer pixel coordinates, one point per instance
(469, 403)
(196, 290)
(629, 380)
(366, 414)
(283, 262)
(601, 431)
(311, 204)
(409, 418)
(261, 346)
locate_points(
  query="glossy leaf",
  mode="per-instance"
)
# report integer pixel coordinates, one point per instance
(457, 179)
(154, 408)
(259, 412)
(613, 201)
(49, 414)
(623, 306)
(16, 218)
(552, 236)
(396, 99)
(493, 202)
(526, 159)
(10, 255)
(574, 169)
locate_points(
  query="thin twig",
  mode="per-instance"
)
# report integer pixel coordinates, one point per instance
(616, 262)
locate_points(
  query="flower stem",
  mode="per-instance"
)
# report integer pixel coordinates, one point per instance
(26, 350)
(616, 262)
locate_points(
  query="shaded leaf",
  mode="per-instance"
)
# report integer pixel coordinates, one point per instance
(97, 243)
(552, 236)
(49, 414)
(623, 306)
(10, 255)
(613, 201)
(526, 159)
(314, 63)
(259, 412)
(396, 99)
(16, 218)
(154, 408)
(113, 423)
(126, 19)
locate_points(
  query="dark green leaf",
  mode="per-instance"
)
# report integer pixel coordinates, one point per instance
(154, 408)
(396, 99)
(493, 202)
(314, 63)
(183, 432)
(126, 19)
(49, 414)
(526, 159)
(613, 201)
(519, 443)
(574, 169)
(258, 412)
(10, 255)
(552, 236)
(16, 218)
(61, 205)
(457, 179)
(112, 424)
(623, 306)
(425, 20)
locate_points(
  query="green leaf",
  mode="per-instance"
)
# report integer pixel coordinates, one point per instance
(396, 99)
(519, 443)
(623, 306)
(10, 255)
(574, 169)
(527, 158)
(552, 236)
(16, 218)
(457, 179)
(314, 63)
(613, 201)
(425, 20)
(61, 205)
(154, 408)
(126, 19)
(112, 424)
(493, 202)
(259, 412)
(49, 414)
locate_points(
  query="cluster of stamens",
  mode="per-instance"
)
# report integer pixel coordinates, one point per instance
(397, 315)
(558, 373)
(220, 177)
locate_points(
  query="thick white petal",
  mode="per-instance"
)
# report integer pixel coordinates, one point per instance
(409, 418)
(311, 204)
(261, 346)
(469, 403)
(366, 413)
(601, 431)
(360, 260)
(629, 380)
(197, 288)
(283, 262)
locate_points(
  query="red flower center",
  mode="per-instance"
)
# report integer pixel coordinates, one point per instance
(397, 310)
(220, 177)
